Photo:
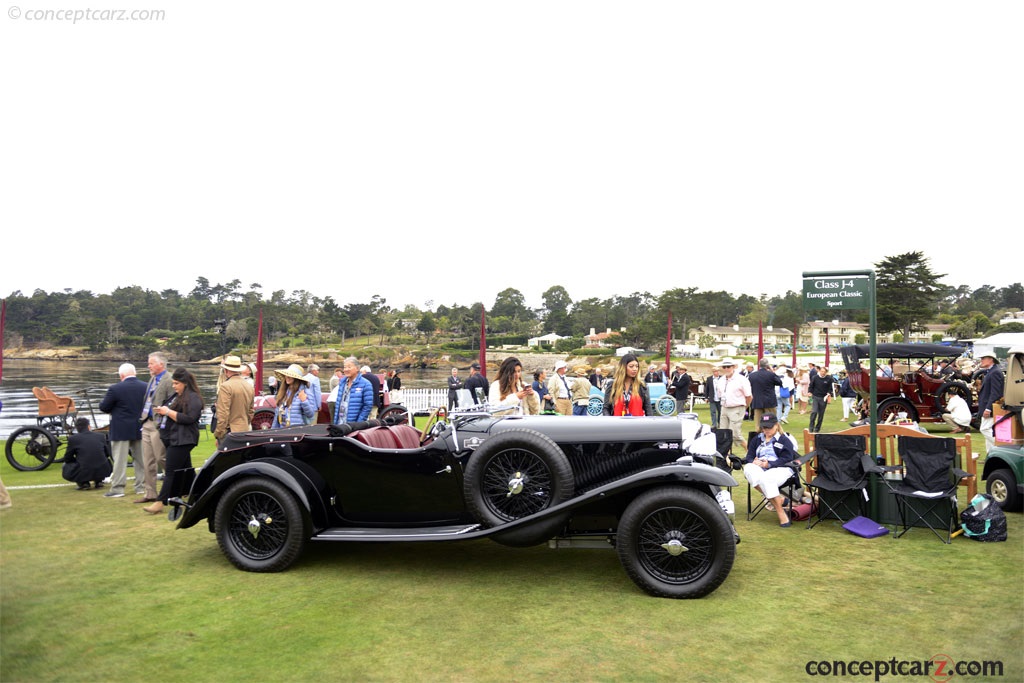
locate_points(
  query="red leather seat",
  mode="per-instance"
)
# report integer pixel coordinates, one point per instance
(406, 436)
(398, 436)
(374, 437)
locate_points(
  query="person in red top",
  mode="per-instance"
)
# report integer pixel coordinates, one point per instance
(627, 394)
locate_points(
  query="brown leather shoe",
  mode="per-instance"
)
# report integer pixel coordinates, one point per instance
(154, 509)
(145, 500)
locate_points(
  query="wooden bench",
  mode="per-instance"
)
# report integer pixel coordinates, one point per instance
(52, 404)
(888, 448)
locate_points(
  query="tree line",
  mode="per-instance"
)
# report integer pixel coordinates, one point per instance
(212, 317)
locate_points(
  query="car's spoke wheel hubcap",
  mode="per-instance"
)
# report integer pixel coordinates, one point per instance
(675, 545)
(258, 525)
(516, 483)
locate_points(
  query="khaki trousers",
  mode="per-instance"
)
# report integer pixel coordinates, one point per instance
(154, 457)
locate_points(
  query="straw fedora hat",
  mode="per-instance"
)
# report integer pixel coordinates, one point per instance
(232, 364)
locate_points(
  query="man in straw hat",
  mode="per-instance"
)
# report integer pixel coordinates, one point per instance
(736, 396)
(581, 387)
(234, 400)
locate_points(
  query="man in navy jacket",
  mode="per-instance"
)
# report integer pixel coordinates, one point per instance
(124, 402)
(991, 391)
(762, 385)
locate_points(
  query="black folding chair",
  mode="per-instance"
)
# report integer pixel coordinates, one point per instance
(841, 476)
(927, 492)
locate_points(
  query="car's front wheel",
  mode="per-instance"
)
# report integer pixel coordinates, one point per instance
(1003, 488)
(675, 542)
(259, 525)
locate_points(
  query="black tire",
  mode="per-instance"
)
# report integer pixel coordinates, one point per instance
(260, 526)
(961, 388)
(893, 406)
(263, 418)
(516, 474)
(31, 448)
(395, 412)
(1002, 486)
(675, 542)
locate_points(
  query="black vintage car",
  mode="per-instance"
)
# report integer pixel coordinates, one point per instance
(642, 485)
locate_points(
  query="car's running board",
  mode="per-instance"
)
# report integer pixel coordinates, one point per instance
(434, 533)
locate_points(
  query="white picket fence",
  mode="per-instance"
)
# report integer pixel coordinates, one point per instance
(416, 400)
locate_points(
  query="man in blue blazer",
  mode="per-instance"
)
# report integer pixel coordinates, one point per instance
(124, 403)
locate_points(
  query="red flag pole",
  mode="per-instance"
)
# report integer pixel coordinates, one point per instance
(3, 317)
(795, 337)
(259, 357)
(760, 340)
(668, 347)
(827, 349)
(483, 344)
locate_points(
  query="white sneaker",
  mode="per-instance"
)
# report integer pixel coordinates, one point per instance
(113, 494)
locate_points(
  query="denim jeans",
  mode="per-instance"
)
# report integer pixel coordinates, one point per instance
(783, 408)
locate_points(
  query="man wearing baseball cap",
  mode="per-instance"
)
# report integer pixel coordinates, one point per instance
(477, 381)
(991, 391)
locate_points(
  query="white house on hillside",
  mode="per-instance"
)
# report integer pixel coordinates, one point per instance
(546, 340)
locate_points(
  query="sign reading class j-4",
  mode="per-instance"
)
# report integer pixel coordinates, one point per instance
(847, 292)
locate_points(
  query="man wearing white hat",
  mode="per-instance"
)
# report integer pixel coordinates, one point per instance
(736, 396)
(991, 391)
(558, 387)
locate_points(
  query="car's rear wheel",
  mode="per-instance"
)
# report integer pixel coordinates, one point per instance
(675, 542)
(263, 418)
(515, 474)
(892, 407)
(259, 525)
(1003, 488)
(398, 414)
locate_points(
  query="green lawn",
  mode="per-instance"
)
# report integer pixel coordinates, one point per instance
(95, 590)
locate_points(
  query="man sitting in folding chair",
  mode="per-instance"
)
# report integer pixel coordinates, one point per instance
(768, 464)
(930, 480)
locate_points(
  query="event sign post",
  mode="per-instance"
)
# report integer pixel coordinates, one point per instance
(849, 290)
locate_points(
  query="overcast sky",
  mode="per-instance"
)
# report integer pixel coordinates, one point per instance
(445, 151)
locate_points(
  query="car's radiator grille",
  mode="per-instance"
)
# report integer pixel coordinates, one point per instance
(597, 464)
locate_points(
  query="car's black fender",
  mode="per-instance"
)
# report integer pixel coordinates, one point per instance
(703, 478)
(307, 486)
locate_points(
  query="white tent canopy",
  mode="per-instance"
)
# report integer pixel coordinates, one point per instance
(998, 344)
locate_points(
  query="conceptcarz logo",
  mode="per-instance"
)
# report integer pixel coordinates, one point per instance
(938, 668)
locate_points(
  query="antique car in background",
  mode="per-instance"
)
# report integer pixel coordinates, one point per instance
(916, 392)
(652, 488)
